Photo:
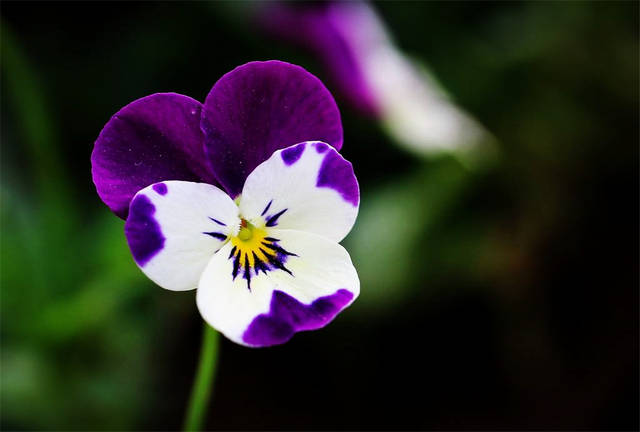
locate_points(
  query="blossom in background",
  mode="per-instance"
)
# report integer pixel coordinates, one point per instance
(244, 197)
(373, 75)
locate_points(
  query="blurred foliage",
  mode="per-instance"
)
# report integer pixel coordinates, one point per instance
(65, 284)
(404, 215)
(506, 296)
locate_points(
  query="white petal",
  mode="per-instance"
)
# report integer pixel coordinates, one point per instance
(307, 187)
(416, 112)
(322, 281)
(174, 228)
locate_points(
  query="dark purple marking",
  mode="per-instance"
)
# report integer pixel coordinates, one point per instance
(273, 220)
(218, 222)
(266, 209)
(321, 147)
(247, 271)
(236, 266)
(278, 249)
(276, 257)
(276, 261)
(264, 252)
(216, 235)
(337, 173)
(287, 316)
(259, 265)
(292, 154)
(160, 188)
(143, 231)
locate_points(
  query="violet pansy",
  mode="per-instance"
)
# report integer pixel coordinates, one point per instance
(244, 197)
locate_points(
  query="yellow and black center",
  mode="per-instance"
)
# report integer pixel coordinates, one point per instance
(254, 251)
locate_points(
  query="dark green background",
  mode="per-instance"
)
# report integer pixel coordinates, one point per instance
(499, 298)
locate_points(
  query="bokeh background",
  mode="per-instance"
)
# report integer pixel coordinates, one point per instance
(499, 297)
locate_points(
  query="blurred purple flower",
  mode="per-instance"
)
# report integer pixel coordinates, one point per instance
(372, 74)
(264, 255)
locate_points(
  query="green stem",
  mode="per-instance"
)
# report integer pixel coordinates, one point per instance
(203, 382)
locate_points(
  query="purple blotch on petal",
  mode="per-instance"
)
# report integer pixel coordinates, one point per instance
(292, 154)
(337, 173)
(321, 147)
(287, 316)
(160, 188)
(143, 232)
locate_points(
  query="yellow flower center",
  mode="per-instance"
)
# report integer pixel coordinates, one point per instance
(245, 234)
(251, 242)
(254, 252)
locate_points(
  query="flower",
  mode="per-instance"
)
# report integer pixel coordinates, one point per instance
(264, 255)
(373, 75)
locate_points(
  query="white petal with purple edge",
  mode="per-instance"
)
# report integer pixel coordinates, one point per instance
(305, 292)
(175, 227)
(307, 187)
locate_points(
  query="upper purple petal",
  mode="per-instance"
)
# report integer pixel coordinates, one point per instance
(261, 107)
(152, 139)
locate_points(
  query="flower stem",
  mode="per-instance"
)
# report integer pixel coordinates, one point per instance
(202, 383)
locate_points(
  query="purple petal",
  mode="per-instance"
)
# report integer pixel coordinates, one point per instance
(287, 316)
(152, 139)
(261, 107)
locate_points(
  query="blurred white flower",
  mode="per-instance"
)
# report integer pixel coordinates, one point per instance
(376, 77)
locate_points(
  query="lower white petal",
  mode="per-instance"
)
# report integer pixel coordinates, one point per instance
(313, 283)
(175, 227)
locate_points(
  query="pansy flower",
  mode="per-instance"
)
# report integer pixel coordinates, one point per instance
(244, 197)
(372, 74)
